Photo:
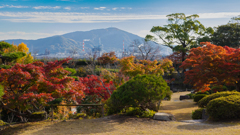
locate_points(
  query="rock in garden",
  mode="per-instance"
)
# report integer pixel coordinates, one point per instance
(163, 117)
(182, 97)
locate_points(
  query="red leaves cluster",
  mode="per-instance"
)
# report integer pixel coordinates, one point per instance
(107, 58)
(36, 84)
(97, 86)
(211, 64)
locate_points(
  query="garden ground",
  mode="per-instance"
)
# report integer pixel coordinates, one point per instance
(129, 125)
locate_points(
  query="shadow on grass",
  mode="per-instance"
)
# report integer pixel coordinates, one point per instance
(85, 126)
(14, 129)
(205, 125)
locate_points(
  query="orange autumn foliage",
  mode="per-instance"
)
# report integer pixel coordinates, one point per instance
(212, 65)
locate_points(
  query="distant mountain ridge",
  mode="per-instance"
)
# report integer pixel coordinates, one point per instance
(111, 39)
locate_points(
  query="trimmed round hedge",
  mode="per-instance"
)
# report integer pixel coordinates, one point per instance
(204, 101)
(198, 97)
(197, 114)
(223, 108)
(142, 91)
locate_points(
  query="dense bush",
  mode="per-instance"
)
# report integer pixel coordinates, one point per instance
(142, 91)
(191, 95)
(136, 111)
(204, 101)
(224, 108)
(197, 114)
(198, 97)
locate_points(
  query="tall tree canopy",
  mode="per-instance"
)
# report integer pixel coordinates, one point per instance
(227, 35)
(212, 65)
(181, 30)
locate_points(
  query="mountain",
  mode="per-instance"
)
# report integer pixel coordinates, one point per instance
(111, 39)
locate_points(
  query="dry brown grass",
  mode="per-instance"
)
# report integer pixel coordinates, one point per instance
(123, 125)
(182, 110)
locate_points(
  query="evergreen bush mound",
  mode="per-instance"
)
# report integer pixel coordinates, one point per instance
(197, 114)
(204, 101)
(136, 111)
(141, 91)
(198, 97)
(224, 108)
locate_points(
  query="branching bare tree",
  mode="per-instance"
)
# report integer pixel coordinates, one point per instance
(145, 50)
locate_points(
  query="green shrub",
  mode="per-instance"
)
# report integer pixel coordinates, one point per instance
(219, 88)
(72, 70)
(197, 114)
(136, 111)
(204, 101)
(200, 92)
(198, 97)
(191, 95)
(223, 108)
(142, 91)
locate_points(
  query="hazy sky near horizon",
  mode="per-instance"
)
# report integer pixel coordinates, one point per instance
(33, 19)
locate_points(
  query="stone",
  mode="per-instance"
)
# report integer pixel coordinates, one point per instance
(204, 115)
(182, 97)
(164, 117)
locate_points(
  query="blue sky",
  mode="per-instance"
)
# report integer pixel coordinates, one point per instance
(33, 19)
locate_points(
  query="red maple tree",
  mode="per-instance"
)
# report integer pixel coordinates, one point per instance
(29, 87)
(212, 65)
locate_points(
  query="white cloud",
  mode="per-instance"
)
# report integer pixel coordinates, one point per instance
(47, 7)
(27, 35)
(100, 8)
(84, 7)
(114, 8)
(12, 6)
(67, 8)
(122, 7)
(75, 17)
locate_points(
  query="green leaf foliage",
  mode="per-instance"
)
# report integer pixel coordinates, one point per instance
(141, 91)
(204, 101)
(4, 45)
(227, 35)
(198, 97)
(181, 30)
(72, 70)
(197, 114)
(224, 108)
(13, 56)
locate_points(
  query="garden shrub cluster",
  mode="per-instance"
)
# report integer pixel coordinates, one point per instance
(197, 114)
(136, 111)
(142, 91)
(198, 97)
(224, 107)
(204, 101)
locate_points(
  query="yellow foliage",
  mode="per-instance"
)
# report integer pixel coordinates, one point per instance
(23, 48)
(131, 68)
